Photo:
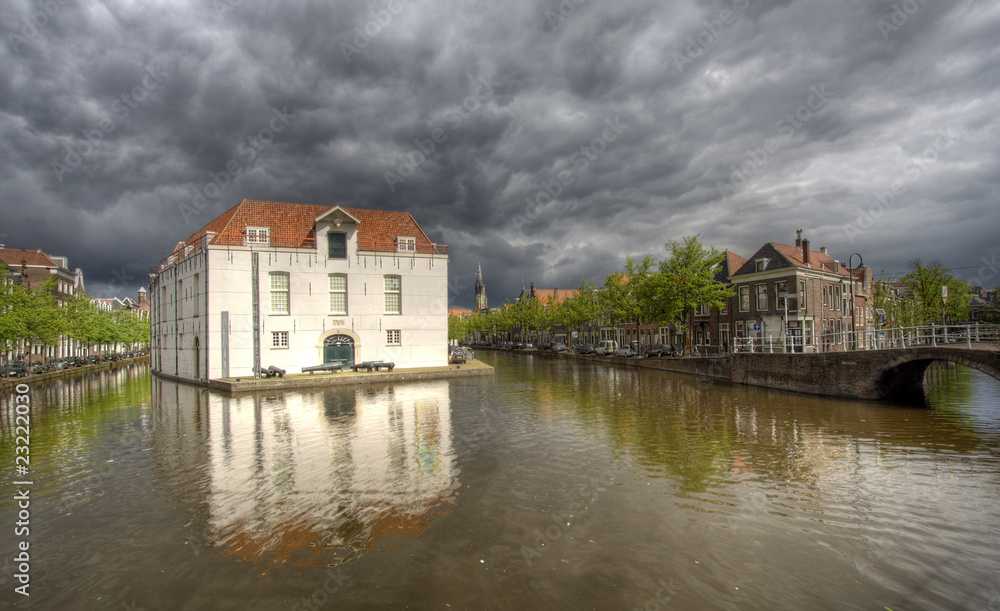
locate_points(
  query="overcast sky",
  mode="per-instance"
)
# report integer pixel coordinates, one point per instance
(548, 140)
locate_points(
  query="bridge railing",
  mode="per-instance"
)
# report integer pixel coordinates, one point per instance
(874, 339)
(937, 335)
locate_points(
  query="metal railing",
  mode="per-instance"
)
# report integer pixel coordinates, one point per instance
(965, 336)
(278, 241)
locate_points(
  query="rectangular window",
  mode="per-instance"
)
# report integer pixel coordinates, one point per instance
(337, 244)
(392, 337)
(393, 295)
(740, 330)
(802, 296)
(194, 302)
(760, 264)
(338, 294)
(279, 339)
(725, 307)
(257, 236)
(279, 293)
(406, 244)
(744, 299)
(780, 294)
(824, 296)
(702, 310)
(761, 297)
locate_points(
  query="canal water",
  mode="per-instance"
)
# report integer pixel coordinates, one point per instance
(552, 485)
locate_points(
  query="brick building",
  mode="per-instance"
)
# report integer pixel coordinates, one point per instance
(793, 298)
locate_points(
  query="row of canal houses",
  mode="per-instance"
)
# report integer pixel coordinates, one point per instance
(787, 298)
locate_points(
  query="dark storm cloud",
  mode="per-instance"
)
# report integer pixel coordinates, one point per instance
(575, 133)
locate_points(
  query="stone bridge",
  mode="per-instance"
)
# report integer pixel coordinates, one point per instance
(863, 374)
(867, 374)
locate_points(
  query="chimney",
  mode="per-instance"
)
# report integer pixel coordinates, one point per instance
(822, 249)
(798, 238)
(532, 294)
(805, 252)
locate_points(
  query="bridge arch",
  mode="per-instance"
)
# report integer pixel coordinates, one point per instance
(903, 374)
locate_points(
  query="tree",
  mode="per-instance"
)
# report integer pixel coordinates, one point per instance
(458, 327)
(13, 303)
(686, 280)
(43, 318)
(583, 309)
(925, 282)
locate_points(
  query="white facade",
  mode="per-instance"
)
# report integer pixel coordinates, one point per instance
(391, 306)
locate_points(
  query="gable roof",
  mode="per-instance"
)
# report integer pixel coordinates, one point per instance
(39, 266)
(554, 296)
(13, 257)
(779, 256)
(729, 265)
(291, 226)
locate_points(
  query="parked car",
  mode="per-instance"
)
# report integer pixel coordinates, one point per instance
(457, 356)
(606, 347)
(660, 350)
(626, 352)
(557, 347)
(16, 370)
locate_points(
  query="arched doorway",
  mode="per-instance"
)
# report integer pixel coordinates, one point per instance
(339, 348)
(197, 358)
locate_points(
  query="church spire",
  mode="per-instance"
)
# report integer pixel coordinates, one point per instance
(479, 303)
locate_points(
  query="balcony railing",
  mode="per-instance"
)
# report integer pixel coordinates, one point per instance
(277, 241)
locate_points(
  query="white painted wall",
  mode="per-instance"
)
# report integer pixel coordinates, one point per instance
(227, 272)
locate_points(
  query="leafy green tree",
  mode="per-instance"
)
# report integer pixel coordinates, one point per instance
(925, 282)
(686, 280)
(458, 327)
(43, 318)
(583, 309)
(13, 321)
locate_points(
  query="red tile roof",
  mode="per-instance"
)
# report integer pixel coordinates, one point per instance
(291, 225)
(13, 257)
(548, 296)
(817, 259)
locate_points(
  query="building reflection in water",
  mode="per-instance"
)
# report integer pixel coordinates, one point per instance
(307, 477)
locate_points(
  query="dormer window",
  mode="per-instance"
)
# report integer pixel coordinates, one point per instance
(404, 244)
(761, 264)
(257, 236)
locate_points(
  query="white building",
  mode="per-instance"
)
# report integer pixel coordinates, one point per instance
(293, 285)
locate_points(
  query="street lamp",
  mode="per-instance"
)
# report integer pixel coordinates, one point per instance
(854, 323)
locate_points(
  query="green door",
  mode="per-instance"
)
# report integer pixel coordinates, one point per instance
(339, 348)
